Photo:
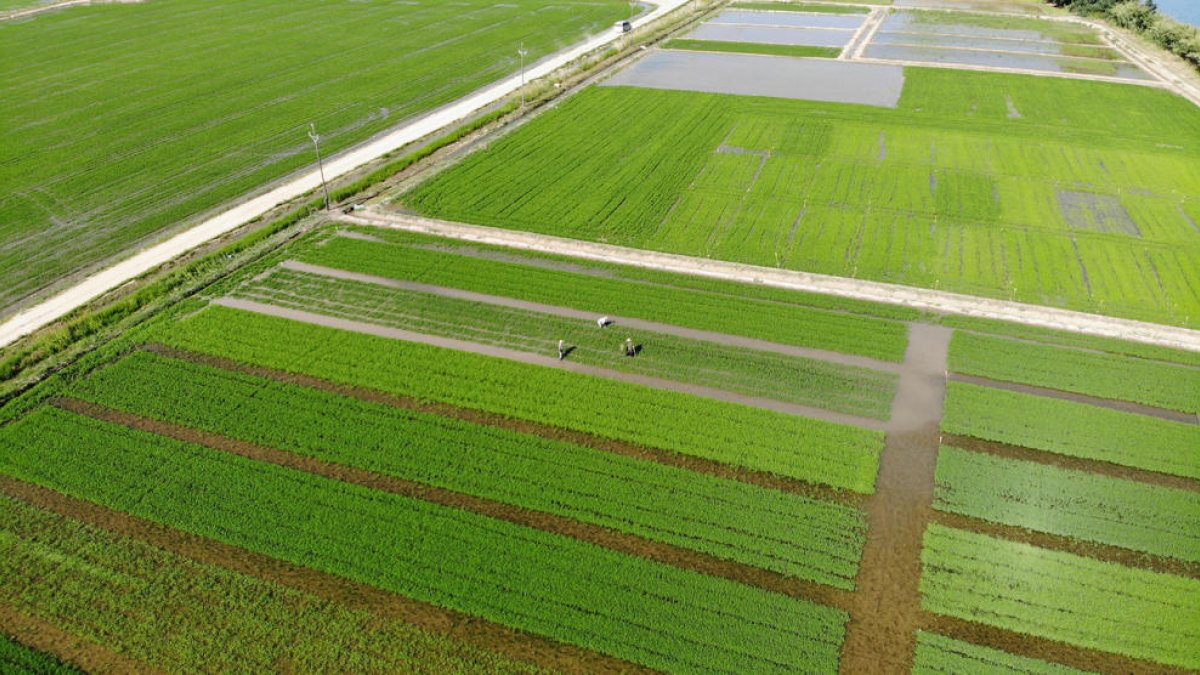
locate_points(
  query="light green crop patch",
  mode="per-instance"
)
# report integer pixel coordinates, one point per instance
(1043, 190)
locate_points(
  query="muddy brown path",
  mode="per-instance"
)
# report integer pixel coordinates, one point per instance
(885, 612)
(484, 634)
(547, 361)
(66, 647)
(625, 448)
(547, 522)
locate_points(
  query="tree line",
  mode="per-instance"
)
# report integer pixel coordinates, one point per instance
(1143, 17)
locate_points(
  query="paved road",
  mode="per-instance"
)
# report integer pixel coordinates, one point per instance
(873, 291)
(106, 280)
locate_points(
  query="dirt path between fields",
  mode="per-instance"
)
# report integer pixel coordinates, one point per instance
(618, 321)
(484, 634)
(886, 609)
(1074, 463)
(1041, 648)
(1087, 549)
(1123, 406)
(546, 522)
(870, 291)
(548, 361)
(86, 655)
(617, 447)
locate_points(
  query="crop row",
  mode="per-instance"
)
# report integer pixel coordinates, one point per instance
(786, 533)
(17, 659)
(632, 608)
(939, 654)
(128, 146)
(813, 450)
(729, 289)
(1049, 336)
(1069, 503)
(765, 320)
(1061, 596)
(1075, 429)
(850, 389)
(111, 589)
(1085, 372)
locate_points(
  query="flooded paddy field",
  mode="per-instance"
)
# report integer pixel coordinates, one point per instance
(776, 77)
(993, 44)
(789, 19)
(779, 28)
(813, 37)
(1034, 62)
(1014, 43)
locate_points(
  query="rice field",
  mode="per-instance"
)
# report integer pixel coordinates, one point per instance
(130, 119)
(1065, 193)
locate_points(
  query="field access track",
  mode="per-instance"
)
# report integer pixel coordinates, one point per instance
(871, 291)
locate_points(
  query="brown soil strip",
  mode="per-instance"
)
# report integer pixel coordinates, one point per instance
(886, 611)
(691, 463)
(484, 634)
(601, 536)
(638, 324)
(1068, 462)
(548, 361)
(1123, 406)
(1087, 549)
(1040, 648)
(47, 637)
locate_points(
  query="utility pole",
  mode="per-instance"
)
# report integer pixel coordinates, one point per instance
(523, 52)
(316, 139)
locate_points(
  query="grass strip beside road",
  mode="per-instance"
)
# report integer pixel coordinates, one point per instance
(753, 48)
(1073, 429)
(551, 585)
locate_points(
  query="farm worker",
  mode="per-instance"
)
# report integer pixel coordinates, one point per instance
(602, 321)
(630, 350)
(562, 350)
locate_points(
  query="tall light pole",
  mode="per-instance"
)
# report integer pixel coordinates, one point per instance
(523, 52)
(316, 139)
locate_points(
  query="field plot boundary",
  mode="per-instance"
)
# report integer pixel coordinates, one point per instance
(620, 321)
(871, 291)
(357, 595)
(631, 544)
(550, 361)
(585, 439)
(251, 206)
(1123, 406)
